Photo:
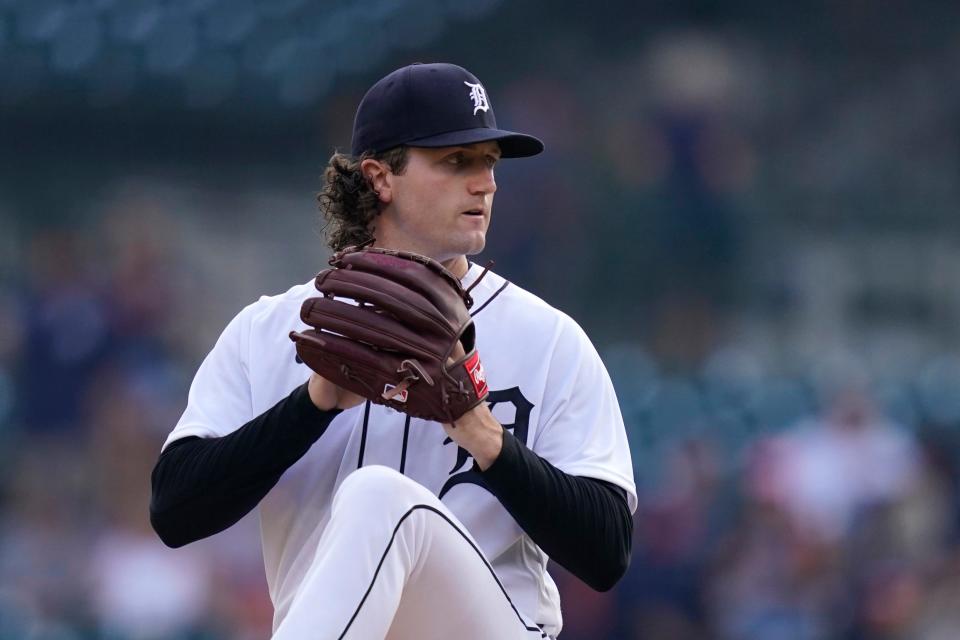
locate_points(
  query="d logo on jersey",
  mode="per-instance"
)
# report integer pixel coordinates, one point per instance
(520, 427)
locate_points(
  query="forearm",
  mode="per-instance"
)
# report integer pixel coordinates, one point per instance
(583, 524)
(202, 486)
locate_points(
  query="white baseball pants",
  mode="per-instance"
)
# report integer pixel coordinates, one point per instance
(395, 563)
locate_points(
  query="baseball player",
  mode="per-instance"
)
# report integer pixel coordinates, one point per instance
(376, 523)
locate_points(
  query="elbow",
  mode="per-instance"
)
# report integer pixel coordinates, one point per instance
(609, 569)
(606, 577)
(165, 532)
(168, 527)
(167, 515)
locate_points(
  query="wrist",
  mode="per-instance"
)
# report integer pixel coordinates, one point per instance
(327, 396)
(321, 394)
(480, 434)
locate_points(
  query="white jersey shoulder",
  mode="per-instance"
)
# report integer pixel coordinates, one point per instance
(578, 424)
(228, 389)
(547, 386)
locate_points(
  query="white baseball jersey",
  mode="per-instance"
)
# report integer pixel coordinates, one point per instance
(547, 385)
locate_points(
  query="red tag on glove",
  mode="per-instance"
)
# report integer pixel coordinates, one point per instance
(475, 370)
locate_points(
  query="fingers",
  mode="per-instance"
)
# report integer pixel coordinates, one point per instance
(458, 351)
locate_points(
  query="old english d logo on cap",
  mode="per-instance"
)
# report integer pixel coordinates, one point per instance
(432, 105)
(479, 96)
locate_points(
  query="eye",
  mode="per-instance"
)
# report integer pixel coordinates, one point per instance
(456, 159)
(492, 161)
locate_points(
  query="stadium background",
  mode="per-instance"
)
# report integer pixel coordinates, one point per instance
(750, 206)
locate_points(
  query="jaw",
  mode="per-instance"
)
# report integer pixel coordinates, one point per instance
(442, 240)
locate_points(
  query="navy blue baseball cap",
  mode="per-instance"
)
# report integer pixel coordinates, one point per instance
(432, 105)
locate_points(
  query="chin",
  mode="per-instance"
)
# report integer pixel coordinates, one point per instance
(476, 248)
(461, 245)
(474, 244)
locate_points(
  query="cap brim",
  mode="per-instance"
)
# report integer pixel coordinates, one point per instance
(512, 144)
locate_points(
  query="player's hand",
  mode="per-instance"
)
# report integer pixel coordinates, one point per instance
(477, 430)
(479, 433)
(326, 395)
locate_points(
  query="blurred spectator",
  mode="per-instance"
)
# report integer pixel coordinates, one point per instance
(825, 473)
(140, 590)
(66, 331)
(678, 521)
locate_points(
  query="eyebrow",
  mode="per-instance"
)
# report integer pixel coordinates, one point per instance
(494, 151)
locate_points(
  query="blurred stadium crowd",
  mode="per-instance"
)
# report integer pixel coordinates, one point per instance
(751, 209)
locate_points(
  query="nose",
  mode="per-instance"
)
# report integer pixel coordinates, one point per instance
(483, 182)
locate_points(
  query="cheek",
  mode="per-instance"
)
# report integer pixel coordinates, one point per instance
(429, 199)
(414, 212)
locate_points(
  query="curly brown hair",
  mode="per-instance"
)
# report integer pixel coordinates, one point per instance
(347, 201)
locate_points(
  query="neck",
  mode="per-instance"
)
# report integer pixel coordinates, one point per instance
(457, 266)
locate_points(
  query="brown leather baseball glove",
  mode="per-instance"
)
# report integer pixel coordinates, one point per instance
(392, 337)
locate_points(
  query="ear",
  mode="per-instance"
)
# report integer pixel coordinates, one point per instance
(377, 174)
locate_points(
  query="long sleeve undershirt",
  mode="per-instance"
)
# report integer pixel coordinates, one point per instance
(202, 486)
(583, 524)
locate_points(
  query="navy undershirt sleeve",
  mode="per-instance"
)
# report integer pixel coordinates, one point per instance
(202, 486)
(583, 524)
